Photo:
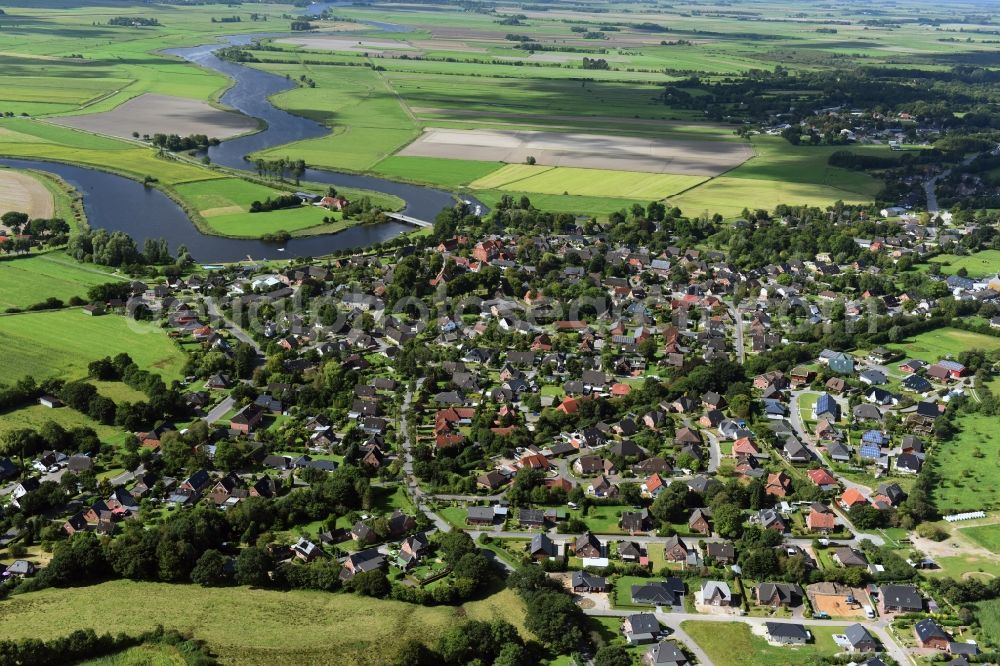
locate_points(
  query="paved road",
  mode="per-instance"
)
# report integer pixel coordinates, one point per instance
(412, 485)
(715, 451)
(806, 437)
(220, 410)
(219, 320)
(737, 333)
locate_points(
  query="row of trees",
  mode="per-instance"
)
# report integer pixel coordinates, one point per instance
(275, 203)
(176, 143)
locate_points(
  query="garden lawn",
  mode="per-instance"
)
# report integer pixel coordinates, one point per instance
(25, 281)
(590, 182)
(325, 629)
(62, 343)
(621, 596)
(601, 519)
(806, 403)
(932, 346)
(733, 644)
(966, 466)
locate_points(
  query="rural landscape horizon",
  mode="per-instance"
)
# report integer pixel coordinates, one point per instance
(472, 333)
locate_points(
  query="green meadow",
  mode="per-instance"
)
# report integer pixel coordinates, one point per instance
(62, 343)
(325, 630)
(966, 471)
(435, 170)
(143, 655)
(981, 264)
(28, 280)
(224, 207)
(592, 182)
(932, 346)
(36, 416)
(987, 536)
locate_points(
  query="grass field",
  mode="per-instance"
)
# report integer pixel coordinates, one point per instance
(932, 346)
(35, 416)
(39, 140)
(224, 204)
(967, 467)
(781, 173)
(433, 170)
(965, 566)
(63, 342)
(599, 207)
(368, 121)
(987, 536)
(325, 629)
(988, 614)
(733, 644)
(143, 655)
(592, 182)
(28, 280)
(980, 264)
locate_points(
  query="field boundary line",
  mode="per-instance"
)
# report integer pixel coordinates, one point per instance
(545, 169)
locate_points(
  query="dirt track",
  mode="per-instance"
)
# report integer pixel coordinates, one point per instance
(595, 151)
(152, 114)
(25, 194)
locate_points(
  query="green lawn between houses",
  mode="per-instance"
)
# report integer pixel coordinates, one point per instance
(733, 644)
(62, 343)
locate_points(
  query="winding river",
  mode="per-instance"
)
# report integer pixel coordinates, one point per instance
(116, 203)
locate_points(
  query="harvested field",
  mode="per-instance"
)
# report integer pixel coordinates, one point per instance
(596, 151)
(24, 193)
(323, 42)
(446, 45)
(675, 128)
(163, 114)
